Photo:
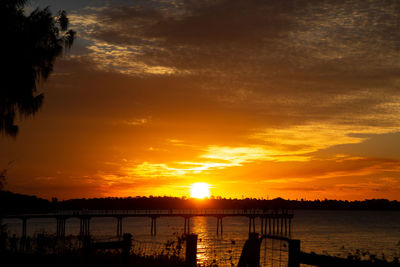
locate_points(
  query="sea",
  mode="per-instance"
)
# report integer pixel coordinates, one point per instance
(335, 233)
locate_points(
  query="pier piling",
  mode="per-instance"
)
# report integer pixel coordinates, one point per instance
(187, 225)
(119, 226)
(24, 219)
(153, 230)
(219, 226)
(85, 226)
(272, 223)
(60, 227)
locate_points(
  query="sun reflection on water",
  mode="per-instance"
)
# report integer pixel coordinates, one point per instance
(215, 249)
(203, 243)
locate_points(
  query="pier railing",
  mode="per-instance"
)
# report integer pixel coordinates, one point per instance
(272, 221)
(175, 212)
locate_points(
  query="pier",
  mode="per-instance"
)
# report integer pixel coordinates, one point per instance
(272, 222)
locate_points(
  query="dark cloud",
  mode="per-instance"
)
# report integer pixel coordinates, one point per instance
(276, 55)
(379, 146)
(302, 34)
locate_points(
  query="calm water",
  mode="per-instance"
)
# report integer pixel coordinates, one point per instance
(333, 232)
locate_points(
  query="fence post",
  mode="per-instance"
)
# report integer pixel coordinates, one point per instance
(127, 241)
(126, 248)
(294, 253)
(191, 250)
(250, 256)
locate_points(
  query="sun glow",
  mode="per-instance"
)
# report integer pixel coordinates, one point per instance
(200, 190)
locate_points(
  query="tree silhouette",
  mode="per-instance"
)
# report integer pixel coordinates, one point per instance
(29, 46)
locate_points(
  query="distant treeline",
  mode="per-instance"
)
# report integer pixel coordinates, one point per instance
(22, 203)
(11, 202)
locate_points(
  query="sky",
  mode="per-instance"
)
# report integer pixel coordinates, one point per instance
(258, 98)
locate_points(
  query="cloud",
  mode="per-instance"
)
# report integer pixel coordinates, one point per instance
(309, 138)
(138, 121)
(237, 156)
(288, 61)
(314, 37)
(289, 94)
(373, 145)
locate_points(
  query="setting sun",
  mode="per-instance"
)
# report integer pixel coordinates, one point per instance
(200, 190)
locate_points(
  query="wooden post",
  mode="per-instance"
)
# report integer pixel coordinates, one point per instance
(250, 256)
(64, 223)
(191, 251)
(24, 227)
(187, 225)
(265, 225)
(119, 226)
(23, 238)
(155, 225)
(127, 244)
(152, 226)
(60, 227)
(286, 230)
(269, 226)
(84, 226)
(126, 249)
(294, 253)
(273, 225)
(219, 225)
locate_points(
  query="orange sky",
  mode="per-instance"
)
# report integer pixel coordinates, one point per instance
(292, 99)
